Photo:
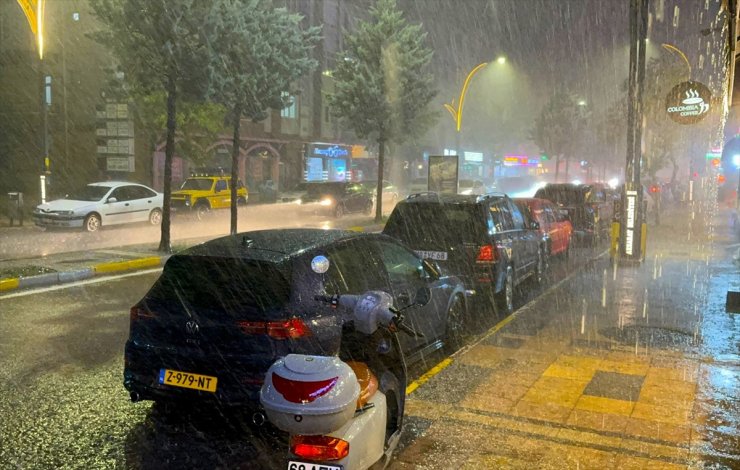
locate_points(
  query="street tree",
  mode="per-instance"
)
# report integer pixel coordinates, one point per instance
(259, 53)
(199, 123)
(559, 130)
(382, 86)
(161, 46)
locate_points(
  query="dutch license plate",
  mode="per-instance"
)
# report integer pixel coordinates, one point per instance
(182, 379)
(296, 465)
(438, 255)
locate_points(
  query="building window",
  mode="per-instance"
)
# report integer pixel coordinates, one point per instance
(289, 111)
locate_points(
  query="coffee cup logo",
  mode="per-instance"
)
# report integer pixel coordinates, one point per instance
(688, 102)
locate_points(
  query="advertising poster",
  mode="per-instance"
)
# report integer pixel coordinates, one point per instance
(443, 174)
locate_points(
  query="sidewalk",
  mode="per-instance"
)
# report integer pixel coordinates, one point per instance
(616, 368)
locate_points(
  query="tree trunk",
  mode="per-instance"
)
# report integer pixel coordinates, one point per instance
(557, 168)
(379, 188)
(674, 174)
(235, 164)
(165, 244)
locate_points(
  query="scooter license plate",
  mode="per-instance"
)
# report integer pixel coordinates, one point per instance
(296, 465)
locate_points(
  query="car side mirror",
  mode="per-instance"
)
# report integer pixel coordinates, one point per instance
(535, 225)
(431, 269)
(112, 200)
(423, 296)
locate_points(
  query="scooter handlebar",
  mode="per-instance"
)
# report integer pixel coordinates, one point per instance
(369, 315)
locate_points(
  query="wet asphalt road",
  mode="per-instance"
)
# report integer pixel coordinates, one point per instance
(30, 241)
(63, 404)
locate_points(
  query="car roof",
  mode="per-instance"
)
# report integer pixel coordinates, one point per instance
(534, 201)
(274, 245)
(569, 186)
(111, 184)
(438, 198)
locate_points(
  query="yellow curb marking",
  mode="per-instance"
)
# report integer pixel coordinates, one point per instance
(428, 375)
(126, 265)
(8, 284)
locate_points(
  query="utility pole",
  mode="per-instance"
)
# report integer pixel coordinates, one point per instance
(632, 228)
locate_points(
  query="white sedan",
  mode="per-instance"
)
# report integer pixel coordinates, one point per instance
(102, 204)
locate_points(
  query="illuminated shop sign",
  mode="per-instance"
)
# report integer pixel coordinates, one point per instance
(329, 150)
(688, 102)
(520, 160)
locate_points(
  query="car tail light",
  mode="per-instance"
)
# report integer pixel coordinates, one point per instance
(140, 313)
(286, 329)
(319, 448)
(298, 391)
(487, 254)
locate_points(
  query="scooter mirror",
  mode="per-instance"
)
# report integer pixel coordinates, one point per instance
(423, 296)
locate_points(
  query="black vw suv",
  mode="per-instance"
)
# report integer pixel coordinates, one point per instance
(484, 240)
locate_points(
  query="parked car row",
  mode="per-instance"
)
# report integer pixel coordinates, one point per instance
(223, 311)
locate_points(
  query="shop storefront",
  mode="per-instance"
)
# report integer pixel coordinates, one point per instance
(327, 162)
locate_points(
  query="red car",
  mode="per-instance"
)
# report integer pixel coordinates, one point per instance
(553, 222)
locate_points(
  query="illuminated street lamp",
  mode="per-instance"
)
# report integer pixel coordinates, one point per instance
(456, 112)
(34, 11)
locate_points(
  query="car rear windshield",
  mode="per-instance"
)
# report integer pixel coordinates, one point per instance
(242, 288)
(425, 222)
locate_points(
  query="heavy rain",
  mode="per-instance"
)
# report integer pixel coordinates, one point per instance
(350, 234)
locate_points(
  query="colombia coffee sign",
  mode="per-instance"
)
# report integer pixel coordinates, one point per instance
(688, 102)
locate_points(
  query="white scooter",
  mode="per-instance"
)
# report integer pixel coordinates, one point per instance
(344, 412)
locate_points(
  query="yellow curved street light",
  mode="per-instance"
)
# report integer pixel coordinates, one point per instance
(457, 112)
(679, 52)
(34, 11)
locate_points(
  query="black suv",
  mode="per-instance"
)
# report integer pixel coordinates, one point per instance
(589, 207)
(485, 240)
(222, 312)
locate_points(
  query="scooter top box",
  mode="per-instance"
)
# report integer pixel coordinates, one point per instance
(310, 394)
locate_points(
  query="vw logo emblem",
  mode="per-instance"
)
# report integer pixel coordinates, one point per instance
(192, 328)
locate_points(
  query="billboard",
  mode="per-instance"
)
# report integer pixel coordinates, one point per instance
(443, 173)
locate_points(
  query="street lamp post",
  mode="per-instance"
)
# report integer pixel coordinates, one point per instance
(34, 11)
(631, 230)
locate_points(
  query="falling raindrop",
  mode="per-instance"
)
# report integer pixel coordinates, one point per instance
(644, 304)
(603, 290)
(583, 317)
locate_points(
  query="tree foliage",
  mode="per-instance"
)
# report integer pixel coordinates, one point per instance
(382, 86)
(259, 53)
(560, 128)
(161, 46)
(198, 123)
